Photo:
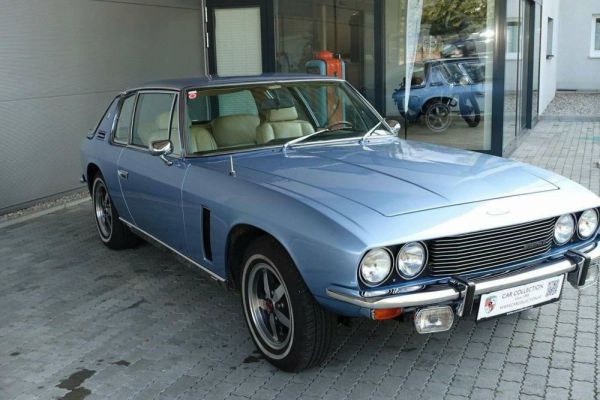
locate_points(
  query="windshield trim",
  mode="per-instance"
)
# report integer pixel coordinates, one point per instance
(280, 147)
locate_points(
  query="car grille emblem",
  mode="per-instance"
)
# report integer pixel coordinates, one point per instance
(534, 245)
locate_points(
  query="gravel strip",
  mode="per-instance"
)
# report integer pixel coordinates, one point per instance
(45, 205)
(574, 103)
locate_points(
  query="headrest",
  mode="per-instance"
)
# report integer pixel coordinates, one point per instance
(282, 114)
(163, 120)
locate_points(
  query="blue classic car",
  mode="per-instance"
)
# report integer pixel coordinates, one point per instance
(441, 88)
(293, 190)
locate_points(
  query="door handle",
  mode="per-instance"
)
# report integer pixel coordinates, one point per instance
(123, 174)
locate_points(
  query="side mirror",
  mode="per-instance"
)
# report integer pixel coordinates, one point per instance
(161, 148)
(395, 125)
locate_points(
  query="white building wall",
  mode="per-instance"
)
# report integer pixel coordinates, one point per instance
(61, 61)
(548, 66)
(576, 69)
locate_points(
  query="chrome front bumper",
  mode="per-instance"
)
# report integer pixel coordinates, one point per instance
(575, 264)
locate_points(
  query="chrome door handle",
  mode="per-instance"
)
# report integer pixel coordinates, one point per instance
(123, 174)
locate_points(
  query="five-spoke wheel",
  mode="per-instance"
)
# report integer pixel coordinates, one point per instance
(269, 305)
(113, 233)
(289, 327)
(438, 116)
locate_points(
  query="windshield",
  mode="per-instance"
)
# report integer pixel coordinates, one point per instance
(261, 115)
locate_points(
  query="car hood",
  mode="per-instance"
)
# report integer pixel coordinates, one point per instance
(393, 177)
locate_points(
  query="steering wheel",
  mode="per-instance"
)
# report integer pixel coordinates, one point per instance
(341, 125)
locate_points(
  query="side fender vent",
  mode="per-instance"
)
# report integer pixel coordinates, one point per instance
(206, 233)
(100, 135)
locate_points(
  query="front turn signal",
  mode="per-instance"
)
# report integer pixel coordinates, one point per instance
(386, 313)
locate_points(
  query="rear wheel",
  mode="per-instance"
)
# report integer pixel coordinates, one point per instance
(288, 326)
(113, 233)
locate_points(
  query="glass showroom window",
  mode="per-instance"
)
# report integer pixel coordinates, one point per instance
(595, 48)
(344, 28)
(439, 57)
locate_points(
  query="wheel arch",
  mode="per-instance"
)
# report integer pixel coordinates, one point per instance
(238, 239)
(91, 171)
(431, 100)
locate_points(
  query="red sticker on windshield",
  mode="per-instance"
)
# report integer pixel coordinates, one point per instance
(192, 94)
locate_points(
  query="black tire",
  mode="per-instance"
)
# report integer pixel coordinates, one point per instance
(438, 115)
(472, 120)
(305, 342)
(113, 233)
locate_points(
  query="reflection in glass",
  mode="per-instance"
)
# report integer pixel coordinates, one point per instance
(444, 92)
(346, 29)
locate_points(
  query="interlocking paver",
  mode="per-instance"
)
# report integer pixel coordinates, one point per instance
(149, 328)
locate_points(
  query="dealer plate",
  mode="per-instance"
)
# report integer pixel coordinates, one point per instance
(519, 297)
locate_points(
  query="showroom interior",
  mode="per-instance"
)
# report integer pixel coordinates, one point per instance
(484, 58)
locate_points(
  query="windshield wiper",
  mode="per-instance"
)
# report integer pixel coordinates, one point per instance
(303, 138)
(370, 131)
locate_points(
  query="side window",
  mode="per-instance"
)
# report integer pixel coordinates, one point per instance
(124, 122)
(152, 118)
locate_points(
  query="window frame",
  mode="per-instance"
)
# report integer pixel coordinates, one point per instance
(113, 132)
(594, 53)
(513, 55)
(174, 93)
(550, 38)
(351, 90)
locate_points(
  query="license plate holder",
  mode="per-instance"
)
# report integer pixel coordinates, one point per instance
(519, 298)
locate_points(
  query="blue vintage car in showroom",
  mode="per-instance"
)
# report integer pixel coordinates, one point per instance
(293, 190)
(443, 88)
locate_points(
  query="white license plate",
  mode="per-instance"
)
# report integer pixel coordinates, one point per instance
(520, 297)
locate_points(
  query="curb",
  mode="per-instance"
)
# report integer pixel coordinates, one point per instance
(570, 118)
(41, 213)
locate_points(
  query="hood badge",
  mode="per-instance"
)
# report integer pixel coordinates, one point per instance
(498, 211)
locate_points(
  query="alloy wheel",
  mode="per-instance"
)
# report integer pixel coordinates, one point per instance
(269, 306)
(103, 210)
(438, 117)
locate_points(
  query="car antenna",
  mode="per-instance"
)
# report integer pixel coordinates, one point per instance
(231, 169)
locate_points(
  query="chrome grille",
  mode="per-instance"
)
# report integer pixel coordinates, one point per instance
(482, 250)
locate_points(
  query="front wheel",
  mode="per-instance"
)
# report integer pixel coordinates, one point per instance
(438, 116)
(288, 326)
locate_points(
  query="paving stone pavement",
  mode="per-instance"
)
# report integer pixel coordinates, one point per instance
(77, 320)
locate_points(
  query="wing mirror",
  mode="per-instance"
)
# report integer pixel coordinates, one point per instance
(161, 148)
(395, 125)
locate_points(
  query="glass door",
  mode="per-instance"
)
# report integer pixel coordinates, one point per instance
(239, 39)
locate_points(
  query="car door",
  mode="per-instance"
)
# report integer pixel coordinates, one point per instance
(151, 185)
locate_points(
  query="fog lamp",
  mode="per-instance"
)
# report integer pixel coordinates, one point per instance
(434, 319)
(592, 274)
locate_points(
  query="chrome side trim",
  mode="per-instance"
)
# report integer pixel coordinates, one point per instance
(446, 293)
(186, 258)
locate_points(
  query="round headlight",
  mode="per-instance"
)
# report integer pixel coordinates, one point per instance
(411, 260)
(564, 229)
(376, 266)
(588, 223)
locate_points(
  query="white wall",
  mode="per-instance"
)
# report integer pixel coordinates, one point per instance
(550, 9)
(576, 69)
(61, 61)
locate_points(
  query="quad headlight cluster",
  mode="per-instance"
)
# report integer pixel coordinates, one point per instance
(567, 225)
(377, 265)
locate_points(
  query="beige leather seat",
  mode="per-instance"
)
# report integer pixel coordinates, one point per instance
(282, 123)
(201, 139)
(235, 130)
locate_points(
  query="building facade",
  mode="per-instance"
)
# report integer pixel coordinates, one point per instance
(473, 74)
(579, 44)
